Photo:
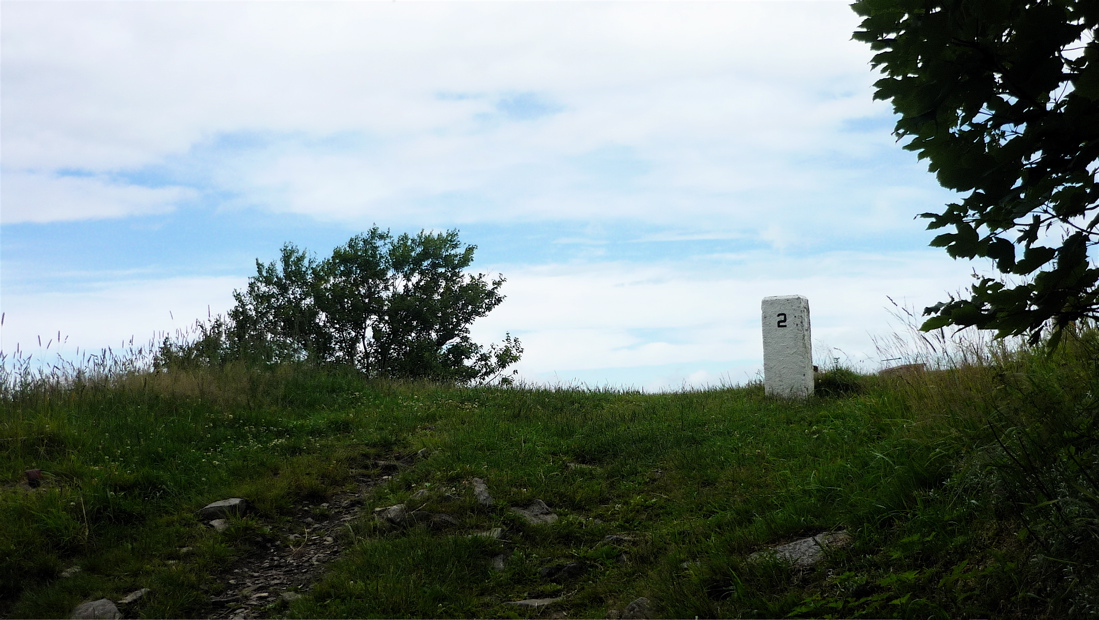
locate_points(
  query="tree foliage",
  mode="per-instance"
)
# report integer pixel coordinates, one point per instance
(1001, 97)
(390, 306)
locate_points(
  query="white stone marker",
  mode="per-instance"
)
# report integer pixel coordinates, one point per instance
(787, 347)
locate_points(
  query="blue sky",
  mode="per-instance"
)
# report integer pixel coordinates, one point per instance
(643, 174)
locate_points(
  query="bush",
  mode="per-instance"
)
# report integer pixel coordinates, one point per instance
(391, 307)
(838, 382)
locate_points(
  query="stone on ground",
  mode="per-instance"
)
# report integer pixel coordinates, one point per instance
(234, 506)
(807, 551)
(101, 609)
(392, 515)
(537, 513)
(480, 491)
(133, 596)
(561, 572)
(639, 609)
(70, 571)
(535, 603)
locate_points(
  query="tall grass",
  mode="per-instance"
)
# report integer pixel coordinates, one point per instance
(1027, 417)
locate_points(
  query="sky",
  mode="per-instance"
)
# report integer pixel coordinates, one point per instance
(642, 174)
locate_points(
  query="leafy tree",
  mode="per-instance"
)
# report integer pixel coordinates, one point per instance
(1001, 97)
(392, 307)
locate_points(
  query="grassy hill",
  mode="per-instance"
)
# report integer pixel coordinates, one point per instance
(968, 490)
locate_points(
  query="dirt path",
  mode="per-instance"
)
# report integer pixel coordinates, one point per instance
(261, 583)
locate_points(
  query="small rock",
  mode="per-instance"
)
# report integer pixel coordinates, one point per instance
(613, 614)
(536, 603)
(499, 562)
(614, 539)
(422, 493)
(639, 609)
(220, 525)
(388, 467)
(442, 520)
(289, 597)
(480, 492)
(101, 609)
(133, 596)
(423, 453)
(70, 571)
(537, 513)
(234, 506)
(495, 533)
(391, 515)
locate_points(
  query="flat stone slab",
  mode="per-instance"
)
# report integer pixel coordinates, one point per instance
(537, 513)
(536, 603)
(615, 539)
(234, 506)
(495, 534)
(133, 596)
(101, 609)
(807, 551)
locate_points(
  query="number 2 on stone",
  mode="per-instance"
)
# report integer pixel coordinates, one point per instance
(782, 319)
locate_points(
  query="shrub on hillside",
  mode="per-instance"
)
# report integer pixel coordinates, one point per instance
(838, 382)
(398, 307)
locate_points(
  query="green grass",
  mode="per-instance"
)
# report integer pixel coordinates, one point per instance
(970, 490)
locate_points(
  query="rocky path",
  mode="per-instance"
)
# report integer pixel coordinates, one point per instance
(261, 583)
(290, 557)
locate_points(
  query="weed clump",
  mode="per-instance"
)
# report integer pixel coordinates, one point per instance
(838, 383)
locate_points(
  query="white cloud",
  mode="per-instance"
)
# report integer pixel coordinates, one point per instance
(680, 122)
(41, 197)
(718, 97)
(107, 313)
(652, 326)
(579, 318)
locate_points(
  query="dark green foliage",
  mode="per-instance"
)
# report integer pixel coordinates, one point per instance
(1002, 98)
(838, 382)
(390, 307)
(1046, 450)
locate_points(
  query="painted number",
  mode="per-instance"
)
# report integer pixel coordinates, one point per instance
(782, 319)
